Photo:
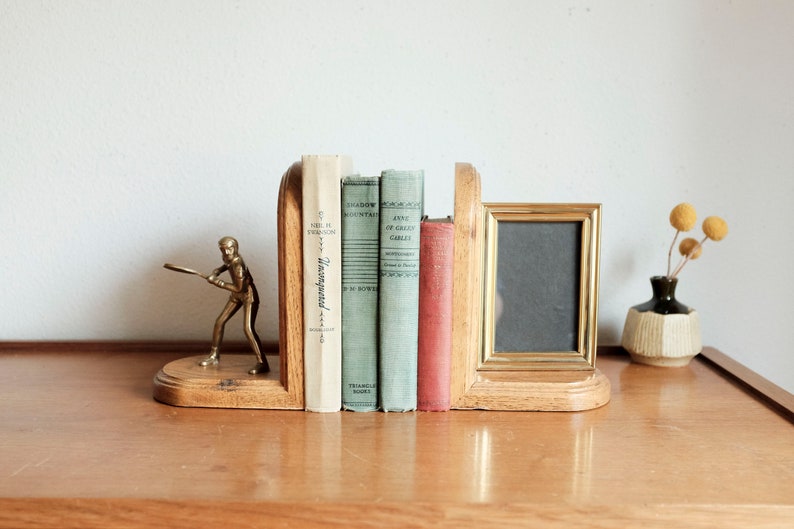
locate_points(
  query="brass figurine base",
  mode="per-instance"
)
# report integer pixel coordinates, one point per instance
(228, 384)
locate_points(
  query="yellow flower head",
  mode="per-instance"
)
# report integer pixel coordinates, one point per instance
(683, 217)
(715, 228)
(689, 244)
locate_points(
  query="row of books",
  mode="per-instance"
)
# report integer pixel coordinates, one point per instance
(377, 291)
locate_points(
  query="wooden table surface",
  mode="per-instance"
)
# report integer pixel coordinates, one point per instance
(85, 445)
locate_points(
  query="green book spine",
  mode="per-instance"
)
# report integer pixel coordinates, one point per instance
(360, 243)
(401, 210)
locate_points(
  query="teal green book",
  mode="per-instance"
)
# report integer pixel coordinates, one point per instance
(401, 211)
(360, 243)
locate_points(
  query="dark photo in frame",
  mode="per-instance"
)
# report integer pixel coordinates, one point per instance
(540, 262)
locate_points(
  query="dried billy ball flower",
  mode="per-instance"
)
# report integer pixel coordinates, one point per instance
(683, 217)
(689, 244)
(715, 228)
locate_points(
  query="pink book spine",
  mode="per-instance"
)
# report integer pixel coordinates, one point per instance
(435, 315)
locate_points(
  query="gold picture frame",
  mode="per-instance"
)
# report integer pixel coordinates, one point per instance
(540, 286)
(573, 385)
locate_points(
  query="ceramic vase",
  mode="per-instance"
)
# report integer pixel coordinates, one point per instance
(662, 331)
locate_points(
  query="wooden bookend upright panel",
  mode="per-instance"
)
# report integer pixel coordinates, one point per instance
(466, 290)
(471, 387)
(228, 385)
(290, 285)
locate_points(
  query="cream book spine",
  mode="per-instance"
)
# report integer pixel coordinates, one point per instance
(322, 280)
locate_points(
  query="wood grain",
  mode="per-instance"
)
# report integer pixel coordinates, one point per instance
(466, 271)
(574, 390)
(771, 393)
(135, 513)
(290, 286)
(85, 445)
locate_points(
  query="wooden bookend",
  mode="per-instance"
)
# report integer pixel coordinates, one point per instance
(290, 284)
(228, 385)
(519, 390)
(466, 290)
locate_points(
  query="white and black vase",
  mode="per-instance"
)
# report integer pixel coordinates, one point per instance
(662, 331)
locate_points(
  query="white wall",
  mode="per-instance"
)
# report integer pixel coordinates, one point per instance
(135, 133)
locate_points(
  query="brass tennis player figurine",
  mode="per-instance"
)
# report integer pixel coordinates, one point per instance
(243, 294)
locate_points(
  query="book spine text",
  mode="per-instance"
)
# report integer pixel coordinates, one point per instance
(360, 243)
(435, 316)
(322, 280)
(401, 207)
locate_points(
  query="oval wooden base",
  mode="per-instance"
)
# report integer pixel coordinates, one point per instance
(537, 391)
(184, 382)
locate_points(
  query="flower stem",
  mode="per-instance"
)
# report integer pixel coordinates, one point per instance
(670, 251)
(686, 258)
